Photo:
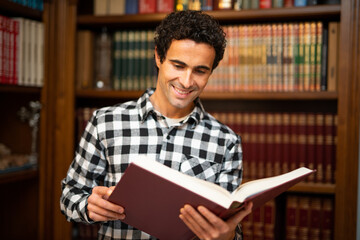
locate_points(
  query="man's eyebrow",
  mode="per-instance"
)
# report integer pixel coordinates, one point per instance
(182, 63)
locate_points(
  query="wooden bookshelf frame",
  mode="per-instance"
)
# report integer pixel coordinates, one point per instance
(62, 19)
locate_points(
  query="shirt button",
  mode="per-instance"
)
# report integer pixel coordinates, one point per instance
(168, 137)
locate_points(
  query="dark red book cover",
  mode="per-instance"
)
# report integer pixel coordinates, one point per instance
(292, 221)
(147, 6)
(270, 145)
(320, 147)
(311, 138)
(261, 150)
(165, 6)
(294, 146)
(302, 141)
(285, 132)
(329, 156)
(265, 3)
(152, 202)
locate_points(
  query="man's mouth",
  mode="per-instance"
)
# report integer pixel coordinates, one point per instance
(182, 91)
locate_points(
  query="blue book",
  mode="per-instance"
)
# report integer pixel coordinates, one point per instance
(300, 3)
(131, 6)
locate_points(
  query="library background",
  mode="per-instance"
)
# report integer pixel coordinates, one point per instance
(288, 84)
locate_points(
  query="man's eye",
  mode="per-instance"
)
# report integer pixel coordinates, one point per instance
(179, 66)
(200, 71)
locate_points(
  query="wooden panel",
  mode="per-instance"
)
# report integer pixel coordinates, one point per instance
(348, 123)
(19, 211)
(59, 19)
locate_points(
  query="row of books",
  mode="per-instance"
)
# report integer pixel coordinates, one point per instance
(275, 143)
(307, 217)
(119, 7)
(125, 61)
(21, 51)
(259, 57)
(35, 4)
(279, 57)
(264, 4)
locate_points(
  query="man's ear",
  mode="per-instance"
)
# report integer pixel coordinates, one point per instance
(157, 58)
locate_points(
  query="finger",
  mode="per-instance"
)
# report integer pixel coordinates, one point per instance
(198, 223)
(238, 217)
(97, 217)
(109, 214)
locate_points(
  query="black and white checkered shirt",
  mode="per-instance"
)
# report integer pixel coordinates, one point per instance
(199, 146)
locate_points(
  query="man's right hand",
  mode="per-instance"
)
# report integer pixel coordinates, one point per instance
(100, 209)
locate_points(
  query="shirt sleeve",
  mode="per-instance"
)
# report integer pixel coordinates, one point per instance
(86, 171)
(231, 170)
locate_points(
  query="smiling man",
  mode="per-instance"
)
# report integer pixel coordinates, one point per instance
(167, 123)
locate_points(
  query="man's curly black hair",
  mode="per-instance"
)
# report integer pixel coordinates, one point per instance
(194, 25)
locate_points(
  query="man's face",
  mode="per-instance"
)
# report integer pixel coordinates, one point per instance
(183, 75)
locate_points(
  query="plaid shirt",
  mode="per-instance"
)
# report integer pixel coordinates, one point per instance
(199, 146)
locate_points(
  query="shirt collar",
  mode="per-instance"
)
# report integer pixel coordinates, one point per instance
(146, 108)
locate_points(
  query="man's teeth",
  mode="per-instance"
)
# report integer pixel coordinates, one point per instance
(182, 92)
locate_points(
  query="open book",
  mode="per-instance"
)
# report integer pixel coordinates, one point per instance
(152, 195)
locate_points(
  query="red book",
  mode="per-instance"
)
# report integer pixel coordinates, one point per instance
(269, 220)
(292, 215)
(285, 132)
(265, 3)
(258, 223)
(149, 188)
(315, 218)
(311, 138)
(14, 49)
(288, 3)
(320, 147)
(147, 6)
(165, 6)
(329, 146)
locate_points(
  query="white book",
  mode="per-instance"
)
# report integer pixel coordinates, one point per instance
(33, 53)
(40, 54)
(20, 51)
(26, 53)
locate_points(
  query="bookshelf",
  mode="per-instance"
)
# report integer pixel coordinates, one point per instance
(63, 99)
(19, 185)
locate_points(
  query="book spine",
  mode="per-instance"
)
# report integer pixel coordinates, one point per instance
(333, 55)
(131, 7)
(311, 137)
(269, 220)
(319, 54)
(299, 3)
(117, 60)
(116, 7)
(324, 59)
(264, 3)
(292, 218)
(288, 3)
(315, 218)
(312, 77)
(320, 145)
(165, 6)
(304, 217)
(147, 6)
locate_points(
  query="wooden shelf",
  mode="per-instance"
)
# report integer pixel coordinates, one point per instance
(17, 176)
(19, 89)
(320, 12)
(317, 188)
(11, 9)
(217, 95)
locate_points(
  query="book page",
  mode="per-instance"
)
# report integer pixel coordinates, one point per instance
(253, 187)
(201, 187)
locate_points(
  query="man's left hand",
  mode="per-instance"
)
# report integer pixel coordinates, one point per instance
(207, 226)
